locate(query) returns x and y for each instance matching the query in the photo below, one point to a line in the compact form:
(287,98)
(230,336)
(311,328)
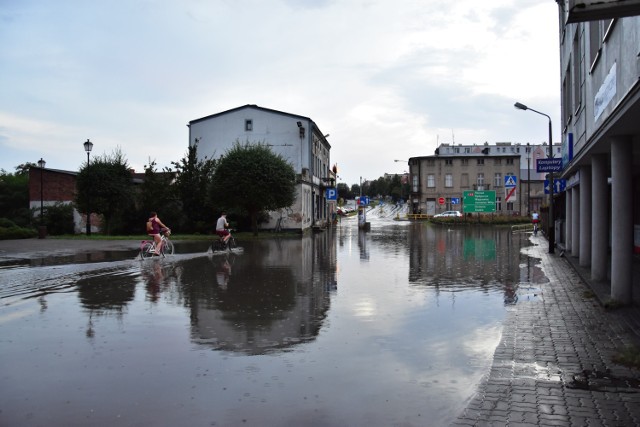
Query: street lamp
(88,146)
(41,165)
(528,178)
(550,230)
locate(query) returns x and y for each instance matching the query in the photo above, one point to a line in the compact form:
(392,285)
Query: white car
(445,214)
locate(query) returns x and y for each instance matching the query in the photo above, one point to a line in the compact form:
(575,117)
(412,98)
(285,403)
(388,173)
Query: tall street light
(41,165)
(88,146)
(550,229)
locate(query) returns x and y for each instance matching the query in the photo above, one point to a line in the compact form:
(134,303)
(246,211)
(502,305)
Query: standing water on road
(392,326)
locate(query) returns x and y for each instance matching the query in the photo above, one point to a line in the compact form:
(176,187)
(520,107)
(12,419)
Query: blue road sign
(510,181)
(332,194)
(455,200)
(559,185)
(549,165)
(363,200)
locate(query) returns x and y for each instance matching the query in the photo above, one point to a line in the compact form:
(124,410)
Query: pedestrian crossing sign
(510,181)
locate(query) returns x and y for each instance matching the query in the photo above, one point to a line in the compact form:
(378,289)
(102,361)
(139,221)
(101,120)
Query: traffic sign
(559,185)
(455,200)
(479,201)
(332,194)
(549,165)
(510,181)
(363,200)
(510,194)
(441,200)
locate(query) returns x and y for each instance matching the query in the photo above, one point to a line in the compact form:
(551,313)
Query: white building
(296,138)
(600,70)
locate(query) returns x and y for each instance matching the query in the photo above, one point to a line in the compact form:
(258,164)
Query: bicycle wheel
(167,247)
(147,250)
(231,243)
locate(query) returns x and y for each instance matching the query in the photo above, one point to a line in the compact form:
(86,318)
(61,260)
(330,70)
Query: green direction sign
(479,201)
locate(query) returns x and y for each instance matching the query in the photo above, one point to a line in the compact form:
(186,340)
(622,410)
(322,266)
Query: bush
(15,232)
(59,219)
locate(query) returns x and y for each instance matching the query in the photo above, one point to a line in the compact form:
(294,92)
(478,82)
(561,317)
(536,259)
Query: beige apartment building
(456,168)
(438,182)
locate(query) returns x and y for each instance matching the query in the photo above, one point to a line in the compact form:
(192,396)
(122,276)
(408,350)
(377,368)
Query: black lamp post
(41,165)
(88,146)
(550,230)
(528,178)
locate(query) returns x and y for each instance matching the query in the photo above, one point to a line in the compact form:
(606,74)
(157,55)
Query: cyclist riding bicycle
(154,229)
(535,219)
(221,228)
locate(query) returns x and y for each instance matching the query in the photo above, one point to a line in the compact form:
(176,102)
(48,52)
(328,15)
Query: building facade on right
(598,216)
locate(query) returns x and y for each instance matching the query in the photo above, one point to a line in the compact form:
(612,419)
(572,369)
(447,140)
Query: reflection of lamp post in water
(550,228)
(88,145)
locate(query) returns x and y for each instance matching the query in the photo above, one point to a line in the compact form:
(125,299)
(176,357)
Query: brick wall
(58,186)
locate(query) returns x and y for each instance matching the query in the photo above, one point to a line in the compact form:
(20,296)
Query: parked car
(445,214)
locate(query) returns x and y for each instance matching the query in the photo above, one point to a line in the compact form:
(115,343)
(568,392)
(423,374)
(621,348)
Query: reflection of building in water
(459,257)
(277,296)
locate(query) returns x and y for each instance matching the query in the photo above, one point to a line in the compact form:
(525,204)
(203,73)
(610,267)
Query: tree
(192,186)
(14,195)
(343,191)
(105,185)
(255,179)
(158,194)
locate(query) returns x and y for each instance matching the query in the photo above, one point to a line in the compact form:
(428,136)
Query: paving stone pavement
(554,364)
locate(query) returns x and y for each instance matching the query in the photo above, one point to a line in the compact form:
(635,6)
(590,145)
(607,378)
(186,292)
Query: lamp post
(41,165)
(550,230)
(528,179)
(88,146)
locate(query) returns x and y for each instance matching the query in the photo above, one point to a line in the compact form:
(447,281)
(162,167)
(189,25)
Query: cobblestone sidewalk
(554,365)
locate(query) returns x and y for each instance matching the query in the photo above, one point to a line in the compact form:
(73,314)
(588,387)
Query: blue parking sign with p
(332,194)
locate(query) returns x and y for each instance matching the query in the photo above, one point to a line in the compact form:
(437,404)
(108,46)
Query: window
(498,204)
(414,180)
(481,161)
(464,180)
(448,180)
(497,162)
(480,181)
(577,73)
(467,150)
(497,180)
(431,181)
(248,125)
(465,162)
(448,162)
(509,161)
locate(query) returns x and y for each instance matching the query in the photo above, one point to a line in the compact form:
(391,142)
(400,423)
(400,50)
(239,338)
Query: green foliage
(9,230)
(59,219)
(14,196)
(255,179)
(343,191)
(630,356)
(105,186)
(192,186)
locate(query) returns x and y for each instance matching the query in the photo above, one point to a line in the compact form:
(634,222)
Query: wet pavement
(554,365)
(408,324)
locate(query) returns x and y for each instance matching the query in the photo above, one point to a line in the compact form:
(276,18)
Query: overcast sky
(387,79)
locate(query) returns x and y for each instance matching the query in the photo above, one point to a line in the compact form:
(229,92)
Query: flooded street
(392,326)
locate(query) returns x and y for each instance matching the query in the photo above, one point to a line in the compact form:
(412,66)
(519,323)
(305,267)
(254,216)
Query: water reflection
(464,257)
(343,327)
(271,297)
